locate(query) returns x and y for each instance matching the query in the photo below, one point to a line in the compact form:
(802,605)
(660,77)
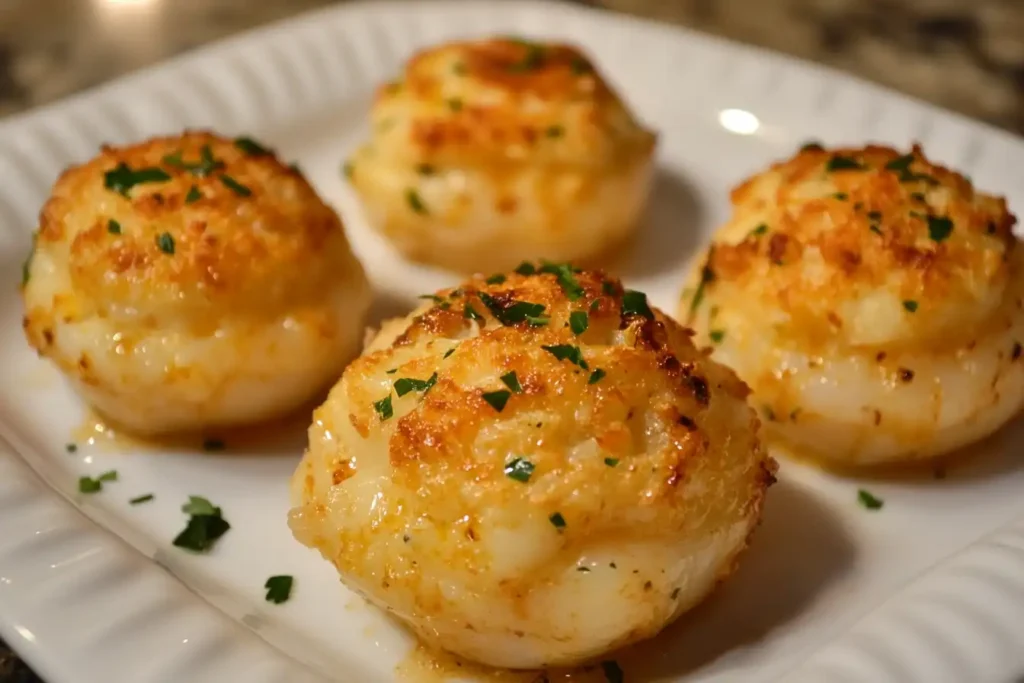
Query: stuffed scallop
(872,301)
(191,282)
(531,470)
(486,153)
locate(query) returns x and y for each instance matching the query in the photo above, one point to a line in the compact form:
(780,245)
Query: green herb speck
(279,588)
(235,186)
(867,500)
(557,520)
(596,376)
(412,197)
(578,322)
(383,407)
(165,242)
(519,469)
(512,382)
(497,399)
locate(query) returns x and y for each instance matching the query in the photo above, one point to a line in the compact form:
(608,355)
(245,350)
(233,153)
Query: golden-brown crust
(501,99)
(249,225)
(810,234)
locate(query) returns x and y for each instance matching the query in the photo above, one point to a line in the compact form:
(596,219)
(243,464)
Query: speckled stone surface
(966,55)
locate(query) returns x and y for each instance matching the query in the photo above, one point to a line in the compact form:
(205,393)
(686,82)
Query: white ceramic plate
(930,589)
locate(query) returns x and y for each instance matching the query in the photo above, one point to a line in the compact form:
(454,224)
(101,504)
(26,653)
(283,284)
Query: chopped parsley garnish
(526,268)
(406,384)
(910,305)
(497,399)
(71,447)
(459,69)
(470,313)
(113,227)
(537,320)
(717,336)
(279,588)
(612,671)
(512,313)
(194,195)
(415,202)
(251,147)
(212,444)
(455,104)
(635,303)
(533,58)
(900,164)
(165,242)
(578,322)
(26,266)
(758,231)
(557,520)
(869,501)
(554,131)
(511,381)
(611,462)
(235,186)
(875,215)
(206,165)
(595,304)
(841,163)
(496,279)
(567,352)
(519,469)
(383,407)
(139,500)
(110,475)
(596,376)
(608,288)
(566,279)
(841,196)
(89,485)
(812,146)
(425,169)
(122,178)
(706,276)
(939,227)
(205,525)
(448,353)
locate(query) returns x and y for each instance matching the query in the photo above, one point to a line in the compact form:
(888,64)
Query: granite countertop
(965,56)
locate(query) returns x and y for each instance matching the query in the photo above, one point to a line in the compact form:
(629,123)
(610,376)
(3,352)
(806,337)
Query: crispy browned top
(828,235)
(504,99)
(219,224)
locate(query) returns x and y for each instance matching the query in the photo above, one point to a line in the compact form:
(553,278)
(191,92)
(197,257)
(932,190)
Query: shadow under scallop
(670,231)
(798,552)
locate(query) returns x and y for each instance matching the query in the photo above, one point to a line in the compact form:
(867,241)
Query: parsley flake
(383,407)
(425,169)
(71,447)
(635,303)
(554,131)
(812,146)
(279,589)
(194,195)
(205,525)
(569,353)
(206,165)
(496,279)
(557,520)
(707,276)
(519,469)
(406,384)
(939,227)
(841,163)
(122,178)
(596,376)
(113,227)
(566,279)
(251,147)
(469,313)
(497,399)
(578,322)
(533,59)
(110,475)
(900,164)
(758,231)
(448,353)
(611,462)
(511,381)
(235,186)
(526,268)
(841,196)
(513,312)
(415,202)
(455,104)
(89,485)
(165,242)
(139,500)
(717,336)
(867,500)
(910,305)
